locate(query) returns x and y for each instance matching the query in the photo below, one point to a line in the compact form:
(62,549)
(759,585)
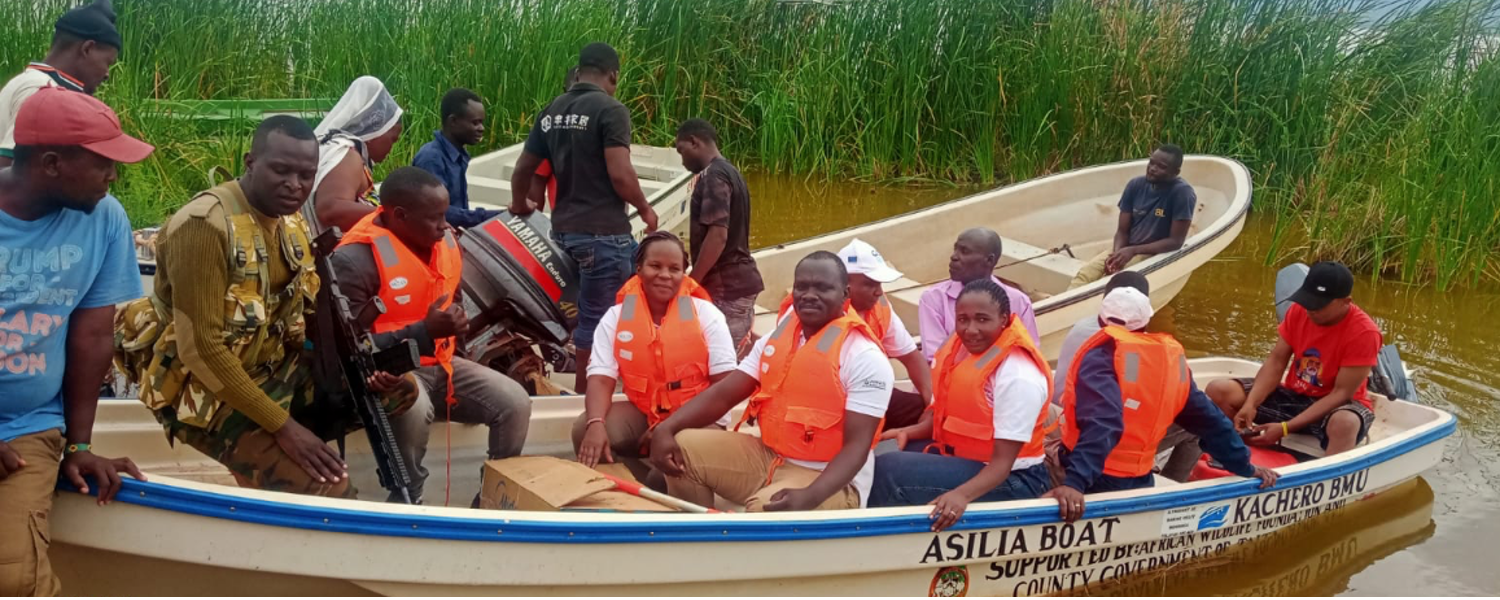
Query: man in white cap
(867,271)
(1125,390)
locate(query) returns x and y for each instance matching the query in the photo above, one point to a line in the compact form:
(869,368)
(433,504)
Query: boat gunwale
(611,528)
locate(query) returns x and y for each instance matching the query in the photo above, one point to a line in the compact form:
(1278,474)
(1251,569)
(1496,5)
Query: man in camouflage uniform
(228,372)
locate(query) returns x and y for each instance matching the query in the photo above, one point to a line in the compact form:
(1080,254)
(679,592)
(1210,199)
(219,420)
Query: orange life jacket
(408,287)
(647,353)
(801,400)
(1154,385)
(963,417)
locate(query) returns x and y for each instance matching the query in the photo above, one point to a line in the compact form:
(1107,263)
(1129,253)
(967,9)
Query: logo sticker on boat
(1213,517)
(949,582)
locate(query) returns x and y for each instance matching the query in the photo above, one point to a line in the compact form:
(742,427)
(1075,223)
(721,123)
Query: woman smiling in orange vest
(986,422)
(665,341)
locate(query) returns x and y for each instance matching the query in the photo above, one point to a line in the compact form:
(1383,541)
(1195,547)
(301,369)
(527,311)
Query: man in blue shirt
(66,259)
(445,156)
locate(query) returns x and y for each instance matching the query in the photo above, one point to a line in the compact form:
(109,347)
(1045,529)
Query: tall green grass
(1373,126)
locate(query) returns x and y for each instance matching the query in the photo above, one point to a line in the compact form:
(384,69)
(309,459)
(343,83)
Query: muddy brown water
(1433,537)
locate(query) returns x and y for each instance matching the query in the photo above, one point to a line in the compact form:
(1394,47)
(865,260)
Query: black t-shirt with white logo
(573,132)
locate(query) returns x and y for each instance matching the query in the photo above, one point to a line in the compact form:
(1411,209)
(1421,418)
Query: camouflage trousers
(252,454)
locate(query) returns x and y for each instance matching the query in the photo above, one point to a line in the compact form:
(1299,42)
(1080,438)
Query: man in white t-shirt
(85,44)
(814,457)
(868,271)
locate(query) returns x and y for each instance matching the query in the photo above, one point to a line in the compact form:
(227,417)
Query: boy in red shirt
(1330,346)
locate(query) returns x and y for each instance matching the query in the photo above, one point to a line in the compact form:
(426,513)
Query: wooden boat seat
(1043,271)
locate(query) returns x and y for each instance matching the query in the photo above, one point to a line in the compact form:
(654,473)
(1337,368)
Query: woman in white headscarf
(355,136)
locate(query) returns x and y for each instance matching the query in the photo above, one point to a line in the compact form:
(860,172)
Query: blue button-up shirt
(451,165)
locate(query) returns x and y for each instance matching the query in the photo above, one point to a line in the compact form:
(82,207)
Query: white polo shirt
(866,375)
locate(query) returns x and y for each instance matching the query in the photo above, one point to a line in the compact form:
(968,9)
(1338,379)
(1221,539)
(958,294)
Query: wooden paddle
(636,489)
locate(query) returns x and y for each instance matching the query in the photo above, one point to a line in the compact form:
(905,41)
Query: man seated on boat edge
(54,203)
(1183,445)
(820,387)
(663,323)
(405,254)
(975,255)
(984,438)
(1125,390)
(1156,213)
(219,347)
(1326,347)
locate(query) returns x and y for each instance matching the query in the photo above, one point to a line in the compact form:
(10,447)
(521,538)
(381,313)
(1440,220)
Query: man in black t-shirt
(585,134)
(720,228)
(1156,212)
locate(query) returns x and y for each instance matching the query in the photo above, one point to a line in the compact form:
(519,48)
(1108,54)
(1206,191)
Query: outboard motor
(1388,378)
(515,278)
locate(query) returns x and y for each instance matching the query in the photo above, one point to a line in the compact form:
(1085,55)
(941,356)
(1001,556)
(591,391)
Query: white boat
(1076,209)
(186,533)
(663,179)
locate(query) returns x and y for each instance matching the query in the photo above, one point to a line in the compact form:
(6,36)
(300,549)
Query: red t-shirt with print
(1319,352)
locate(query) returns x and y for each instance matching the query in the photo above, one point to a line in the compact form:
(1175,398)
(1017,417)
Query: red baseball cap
(58,117)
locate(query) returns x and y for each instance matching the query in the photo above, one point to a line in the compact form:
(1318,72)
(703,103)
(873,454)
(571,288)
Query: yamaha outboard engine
(515,278)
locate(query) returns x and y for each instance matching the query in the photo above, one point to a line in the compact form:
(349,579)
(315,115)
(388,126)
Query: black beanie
(91,22)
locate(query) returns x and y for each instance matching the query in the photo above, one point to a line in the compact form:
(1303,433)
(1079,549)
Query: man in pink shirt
(975,255)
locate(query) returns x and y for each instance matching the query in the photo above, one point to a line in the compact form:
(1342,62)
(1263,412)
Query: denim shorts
(604,265)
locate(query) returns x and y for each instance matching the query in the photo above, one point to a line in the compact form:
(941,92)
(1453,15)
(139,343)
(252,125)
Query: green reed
(1372,126)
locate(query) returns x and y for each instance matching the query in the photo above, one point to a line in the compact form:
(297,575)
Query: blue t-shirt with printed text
(50,267)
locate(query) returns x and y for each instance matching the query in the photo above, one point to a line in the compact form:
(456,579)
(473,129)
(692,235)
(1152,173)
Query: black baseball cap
(1326,281)
(95,21)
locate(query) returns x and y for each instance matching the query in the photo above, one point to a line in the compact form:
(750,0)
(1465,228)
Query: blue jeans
(913,478)
(604,265)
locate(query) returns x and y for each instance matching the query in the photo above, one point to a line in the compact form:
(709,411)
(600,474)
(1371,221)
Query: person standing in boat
(818,388)
(666,341)
(984,438)
(218,347)
(352,138)
(720,228)
(1156,211)
(65,249)
(585,133)
(975,254)
(447,158)
(405,254)
(85,44)
(1125,389)
(1326,348)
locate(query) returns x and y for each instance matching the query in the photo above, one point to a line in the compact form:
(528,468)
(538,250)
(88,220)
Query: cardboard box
(548,483)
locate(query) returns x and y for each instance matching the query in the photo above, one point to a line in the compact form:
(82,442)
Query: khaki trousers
(1093,270)
(742,470)
(25,508)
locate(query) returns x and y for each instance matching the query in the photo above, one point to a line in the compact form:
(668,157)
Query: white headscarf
(365,112)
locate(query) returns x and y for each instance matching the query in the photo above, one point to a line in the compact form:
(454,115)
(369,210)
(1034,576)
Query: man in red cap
(66,259)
